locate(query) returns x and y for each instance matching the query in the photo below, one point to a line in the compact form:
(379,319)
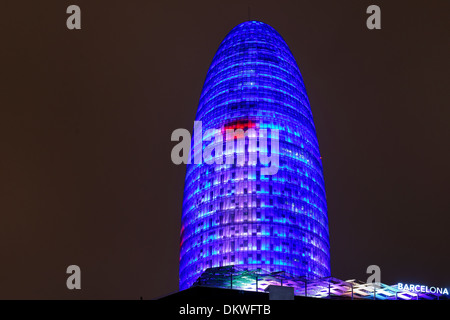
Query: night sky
(86,119)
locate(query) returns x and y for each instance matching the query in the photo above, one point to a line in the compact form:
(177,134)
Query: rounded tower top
(254,68)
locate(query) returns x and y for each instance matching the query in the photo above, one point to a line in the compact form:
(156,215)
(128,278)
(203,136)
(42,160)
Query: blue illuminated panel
(233,214)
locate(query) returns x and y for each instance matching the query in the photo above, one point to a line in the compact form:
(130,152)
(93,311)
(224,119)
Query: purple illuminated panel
(233,214)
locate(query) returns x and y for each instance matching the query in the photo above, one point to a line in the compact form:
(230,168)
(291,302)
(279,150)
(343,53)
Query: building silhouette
(236,214)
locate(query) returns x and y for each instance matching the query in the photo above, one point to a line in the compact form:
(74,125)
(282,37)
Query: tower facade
(234,214)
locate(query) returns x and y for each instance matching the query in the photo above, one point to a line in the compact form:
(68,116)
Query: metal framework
(239,278)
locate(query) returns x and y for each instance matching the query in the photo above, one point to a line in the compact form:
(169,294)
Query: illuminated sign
(421,289)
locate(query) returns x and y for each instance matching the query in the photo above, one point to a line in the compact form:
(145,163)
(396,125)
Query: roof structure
(235,277)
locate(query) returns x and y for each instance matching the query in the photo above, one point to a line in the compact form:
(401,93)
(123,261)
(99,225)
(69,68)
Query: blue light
(234,215)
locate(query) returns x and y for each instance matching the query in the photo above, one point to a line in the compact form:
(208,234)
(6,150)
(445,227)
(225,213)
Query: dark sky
(86,118)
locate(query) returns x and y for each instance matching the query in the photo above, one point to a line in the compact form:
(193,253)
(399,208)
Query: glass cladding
(232,213)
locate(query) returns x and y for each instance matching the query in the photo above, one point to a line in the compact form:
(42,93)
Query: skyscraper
(233,214)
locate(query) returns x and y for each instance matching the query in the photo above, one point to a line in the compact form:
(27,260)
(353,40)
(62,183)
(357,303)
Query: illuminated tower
(233,214)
